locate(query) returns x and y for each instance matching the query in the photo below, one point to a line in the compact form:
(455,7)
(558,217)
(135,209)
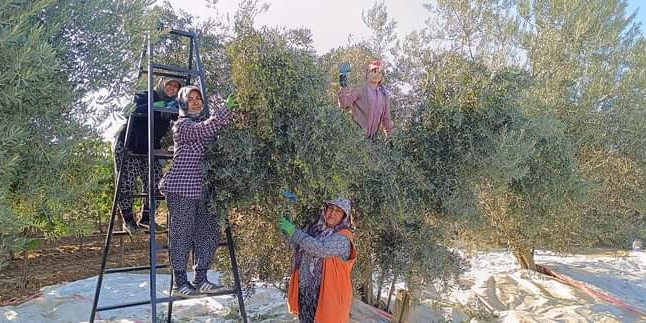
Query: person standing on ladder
(164,99)
(193,225)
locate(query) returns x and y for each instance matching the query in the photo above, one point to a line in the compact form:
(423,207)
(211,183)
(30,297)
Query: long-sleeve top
(186,175)
(369,107)
(335,245)
(138,140)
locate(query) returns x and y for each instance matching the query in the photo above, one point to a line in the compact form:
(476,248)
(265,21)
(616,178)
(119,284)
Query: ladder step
(160,154)
(173,68)
(144,232)
(164,300)
(145,114)
(223,244)
(188,34)
(143,195)
(162,73)
(129,269)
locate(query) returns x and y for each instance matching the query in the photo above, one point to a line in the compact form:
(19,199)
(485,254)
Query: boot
(144,222)
(129,223)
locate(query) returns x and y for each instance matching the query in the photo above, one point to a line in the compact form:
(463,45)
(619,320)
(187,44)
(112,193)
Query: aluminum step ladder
(188,73)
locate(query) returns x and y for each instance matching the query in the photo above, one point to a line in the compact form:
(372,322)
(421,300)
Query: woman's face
(333,215)
(375,75)
(171,89)
(194,102)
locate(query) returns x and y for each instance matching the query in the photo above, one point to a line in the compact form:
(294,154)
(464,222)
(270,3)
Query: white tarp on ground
(72,302)
(523,296)
(531,297)
(515,296)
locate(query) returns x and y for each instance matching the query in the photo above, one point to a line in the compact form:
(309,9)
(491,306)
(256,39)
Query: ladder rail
(236,277)
(198,65)
(190,59)
(108,236)
(169,313)
(141,61)
(151,184)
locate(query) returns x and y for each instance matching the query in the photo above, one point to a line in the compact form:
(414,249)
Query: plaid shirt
(186,176)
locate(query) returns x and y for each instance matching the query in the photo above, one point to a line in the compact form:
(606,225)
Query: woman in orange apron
(320,287)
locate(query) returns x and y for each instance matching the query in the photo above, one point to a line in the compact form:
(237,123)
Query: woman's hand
(344,69)
(286,226)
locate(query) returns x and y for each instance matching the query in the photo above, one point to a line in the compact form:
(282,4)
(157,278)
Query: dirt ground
(69,259)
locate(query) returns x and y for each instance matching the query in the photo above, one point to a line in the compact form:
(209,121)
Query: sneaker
(207,287)
(185,291)
(130,226)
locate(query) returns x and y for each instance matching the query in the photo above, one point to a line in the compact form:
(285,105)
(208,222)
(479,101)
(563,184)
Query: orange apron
(335,292)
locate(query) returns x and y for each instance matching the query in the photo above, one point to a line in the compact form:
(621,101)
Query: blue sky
(640,6)
(333,21)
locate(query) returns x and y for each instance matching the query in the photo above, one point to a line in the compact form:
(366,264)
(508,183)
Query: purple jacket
(369,107)
(186,175)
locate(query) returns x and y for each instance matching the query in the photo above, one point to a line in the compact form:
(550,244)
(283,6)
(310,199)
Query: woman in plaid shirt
(192,223)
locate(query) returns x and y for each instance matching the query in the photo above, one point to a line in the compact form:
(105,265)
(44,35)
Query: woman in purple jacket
(368,104)
(192,223)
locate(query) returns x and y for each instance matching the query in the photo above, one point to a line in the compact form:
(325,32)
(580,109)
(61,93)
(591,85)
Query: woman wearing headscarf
(164,98)
(368,104)
(320,287)
(193,225)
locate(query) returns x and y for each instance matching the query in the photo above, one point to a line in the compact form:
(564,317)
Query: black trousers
(192,226)
(133,168)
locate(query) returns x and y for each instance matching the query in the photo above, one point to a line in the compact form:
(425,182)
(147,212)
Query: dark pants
(192,226)
(306,307)
(133,168)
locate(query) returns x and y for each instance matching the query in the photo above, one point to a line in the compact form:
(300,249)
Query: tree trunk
(380,285)
(23,276)
(366,285)
(81,242)
(390,293)
(402,307)
(525,257)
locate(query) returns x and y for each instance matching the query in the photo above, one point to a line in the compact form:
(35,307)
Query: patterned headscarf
(320,231)
(182,99)
(163,81)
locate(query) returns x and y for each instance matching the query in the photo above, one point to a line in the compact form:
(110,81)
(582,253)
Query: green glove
(231,101)
(286,226)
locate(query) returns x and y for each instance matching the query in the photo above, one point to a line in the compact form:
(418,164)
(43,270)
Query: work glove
(159,104)
(286,226)
(344,69)
(231,101)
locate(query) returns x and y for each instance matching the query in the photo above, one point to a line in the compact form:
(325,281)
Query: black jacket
(138,142)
